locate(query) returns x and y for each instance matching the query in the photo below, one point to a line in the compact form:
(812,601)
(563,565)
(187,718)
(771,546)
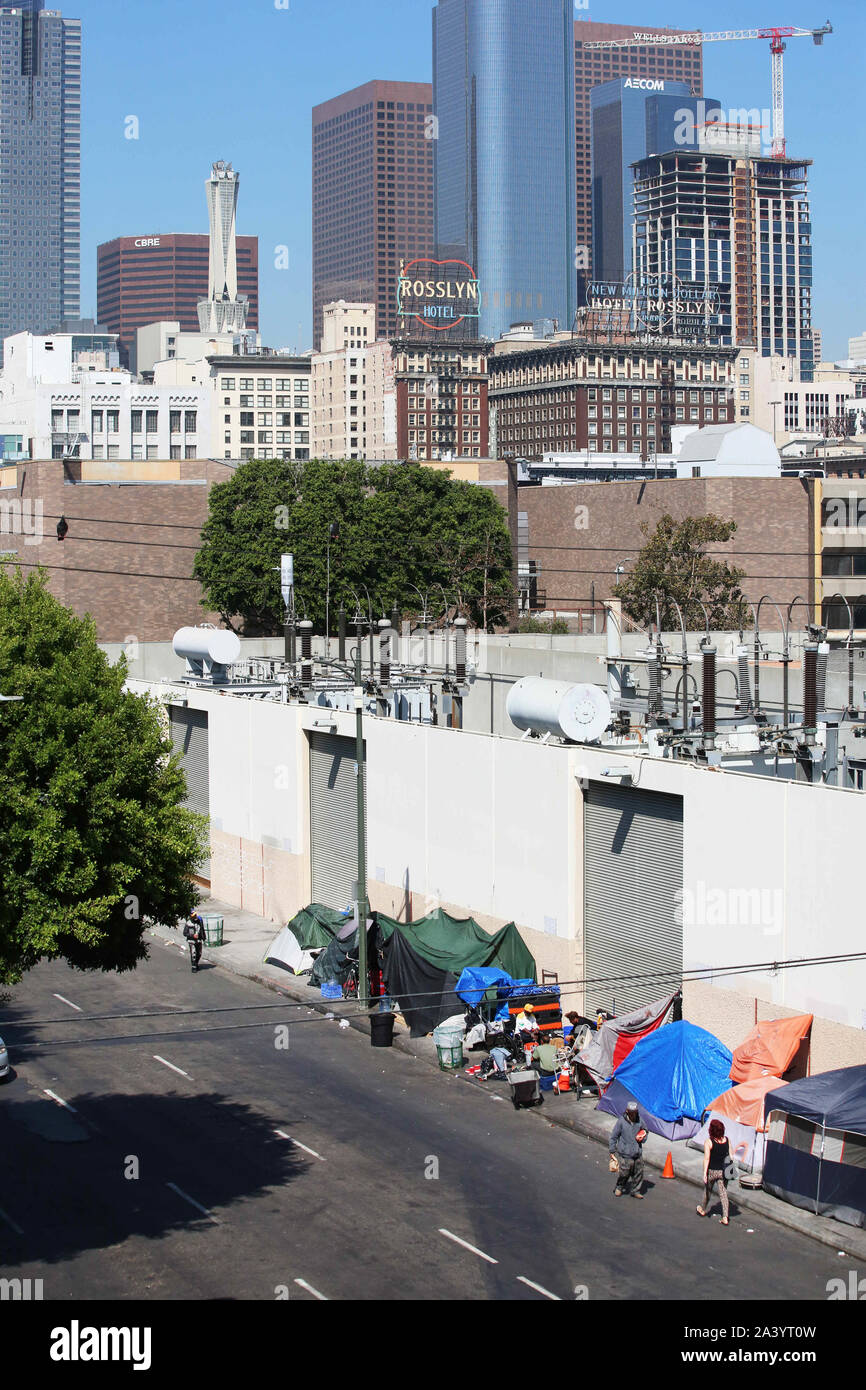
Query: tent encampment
(673,1074)
(423,961)
(816,1144)
(614,1040)
(770,1048)
(741,1111)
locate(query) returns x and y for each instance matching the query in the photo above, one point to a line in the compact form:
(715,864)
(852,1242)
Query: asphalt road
(201,1158)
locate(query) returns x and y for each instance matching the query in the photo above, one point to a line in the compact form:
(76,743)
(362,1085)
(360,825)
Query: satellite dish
(579,713)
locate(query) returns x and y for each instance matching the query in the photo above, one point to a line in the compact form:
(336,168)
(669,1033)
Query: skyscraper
(40,168)
(503,97)
(142,279)
(224,310)
(372,195)
(734,229)
(593,66)
(632,117)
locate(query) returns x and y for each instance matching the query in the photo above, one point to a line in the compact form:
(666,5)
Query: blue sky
(212,80)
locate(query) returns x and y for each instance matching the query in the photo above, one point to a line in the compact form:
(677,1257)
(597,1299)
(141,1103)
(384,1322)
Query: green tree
(93,833)
(674,564)
(400,525)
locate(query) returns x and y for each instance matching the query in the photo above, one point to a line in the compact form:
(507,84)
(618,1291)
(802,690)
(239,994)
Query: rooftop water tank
(213,645)
(579,713)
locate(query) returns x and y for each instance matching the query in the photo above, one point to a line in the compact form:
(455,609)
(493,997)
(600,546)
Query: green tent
(315,926)
(453,943)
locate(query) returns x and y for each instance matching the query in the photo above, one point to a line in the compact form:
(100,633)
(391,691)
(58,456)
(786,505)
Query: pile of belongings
(673,1073)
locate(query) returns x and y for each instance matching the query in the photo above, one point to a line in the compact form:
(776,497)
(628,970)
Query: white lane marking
(298,1145)
(172,1066)
(70,1108)
(9,1222)
(193,1203)
(323,1298)
(69,1002)
(467,1246)
(521,1279)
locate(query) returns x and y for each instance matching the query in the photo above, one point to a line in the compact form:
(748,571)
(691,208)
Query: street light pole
(362,835)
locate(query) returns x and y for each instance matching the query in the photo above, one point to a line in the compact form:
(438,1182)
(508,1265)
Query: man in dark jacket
(626,1147)
(196,936)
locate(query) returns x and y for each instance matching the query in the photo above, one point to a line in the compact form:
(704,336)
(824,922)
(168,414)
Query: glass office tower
(504,156)
(40,168)
(633,118)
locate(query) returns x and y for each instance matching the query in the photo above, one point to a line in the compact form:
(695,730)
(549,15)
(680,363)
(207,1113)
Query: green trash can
(213,927)
(449,1047)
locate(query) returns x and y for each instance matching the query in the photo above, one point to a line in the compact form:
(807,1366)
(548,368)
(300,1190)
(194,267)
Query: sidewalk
(246,938)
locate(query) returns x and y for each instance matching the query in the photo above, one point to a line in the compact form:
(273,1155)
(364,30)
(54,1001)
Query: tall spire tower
(224,310)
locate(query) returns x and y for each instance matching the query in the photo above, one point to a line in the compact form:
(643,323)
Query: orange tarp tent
(770,1048)
(745,1103)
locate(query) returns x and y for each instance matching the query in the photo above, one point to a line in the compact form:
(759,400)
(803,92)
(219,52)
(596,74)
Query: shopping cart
(524,1087)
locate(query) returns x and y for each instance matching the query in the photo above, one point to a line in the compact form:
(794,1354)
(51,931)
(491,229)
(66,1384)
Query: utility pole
(362,834)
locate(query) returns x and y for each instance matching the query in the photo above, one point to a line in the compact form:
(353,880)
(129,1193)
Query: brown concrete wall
(128,556)
(731,1015)
(587,529)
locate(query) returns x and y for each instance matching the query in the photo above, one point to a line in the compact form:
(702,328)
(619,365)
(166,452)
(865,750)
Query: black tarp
(426,994)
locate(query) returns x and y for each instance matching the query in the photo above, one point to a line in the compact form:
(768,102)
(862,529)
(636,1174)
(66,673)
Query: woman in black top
(717,1156)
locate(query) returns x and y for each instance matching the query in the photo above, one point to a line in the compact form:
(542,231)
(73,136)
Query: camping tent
(615,1039)
(310,931)
(770,1048)
(816,1144)
(673,1074)
(423,961)
(741,1111)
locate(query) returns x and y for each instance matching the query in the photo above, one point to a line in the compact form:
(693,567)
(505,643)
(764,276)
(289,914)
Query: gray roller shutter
(333,819)
(633,878)
(190,738)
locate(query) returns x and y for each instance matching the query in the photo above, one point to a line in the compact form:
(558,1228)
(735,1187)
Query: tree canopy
(94,836)
(401,527)
(674,565)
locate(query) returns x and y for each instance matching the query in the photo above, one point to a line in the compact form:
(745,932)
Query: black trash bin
(382,1030)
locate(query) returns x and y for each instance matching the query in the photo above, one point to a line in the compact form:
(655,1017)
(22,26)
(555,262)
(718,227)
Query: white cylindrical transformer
(207,644)
(580,713)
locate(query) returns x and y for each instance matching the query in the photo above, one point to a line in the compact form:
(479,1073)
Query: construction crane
(776,35)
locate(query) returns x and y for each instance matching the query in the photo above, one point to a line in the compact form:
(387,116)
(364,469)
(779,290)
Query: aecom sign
(439,294)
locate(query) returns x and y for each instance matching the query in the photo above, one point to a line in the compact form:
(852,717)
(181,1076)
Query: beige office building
(353,396)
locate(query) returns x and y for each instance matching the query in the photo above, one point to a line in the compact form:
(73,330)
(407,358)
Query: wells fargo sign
(440,294)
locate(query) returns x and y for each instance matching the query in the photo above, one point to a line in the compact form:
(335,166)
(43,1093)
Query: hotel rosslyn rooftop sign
(440,294)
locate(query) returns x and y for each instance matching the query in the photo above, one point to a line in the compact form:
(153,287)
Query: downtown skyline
(301,61)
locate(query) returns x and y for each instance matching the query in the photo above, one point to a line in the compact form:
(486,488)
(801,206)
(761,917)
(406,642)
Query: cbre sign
(439,294)
(147,241)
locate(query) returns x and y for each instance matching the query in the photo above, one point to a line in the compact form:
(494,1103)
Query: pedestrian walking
(717,1161)
(195,933)
(626,1141)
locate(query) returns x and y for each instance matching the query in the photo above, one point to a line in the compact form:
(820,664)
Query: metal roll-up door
(633,878)
(189,735)
(333,820)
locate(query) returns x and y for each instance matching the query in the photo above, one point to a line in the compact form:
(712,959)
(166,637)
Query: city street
(199,1158)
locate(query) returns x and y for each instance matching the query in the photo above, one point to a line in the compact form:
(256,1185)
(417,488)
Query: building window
(227,383)
(96,422)
(112,420)
(136,451)
(247,417)
(174,451)
(114,451)
(247,383)
(135,421)
(248,437)
(265,437)
(265,419)
(247,400)
(98,451)
(151,424)
(189,451)
(153,451)
(189,419)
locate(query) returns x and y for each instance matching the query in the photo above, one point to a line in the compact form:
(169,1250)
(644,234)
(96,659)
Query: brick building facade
(578,533)
(134,530)
(566,394)
(442,405)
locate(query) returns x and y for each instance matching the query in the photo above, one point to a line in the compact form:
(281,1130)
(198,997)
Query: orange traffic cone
(668,1170)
